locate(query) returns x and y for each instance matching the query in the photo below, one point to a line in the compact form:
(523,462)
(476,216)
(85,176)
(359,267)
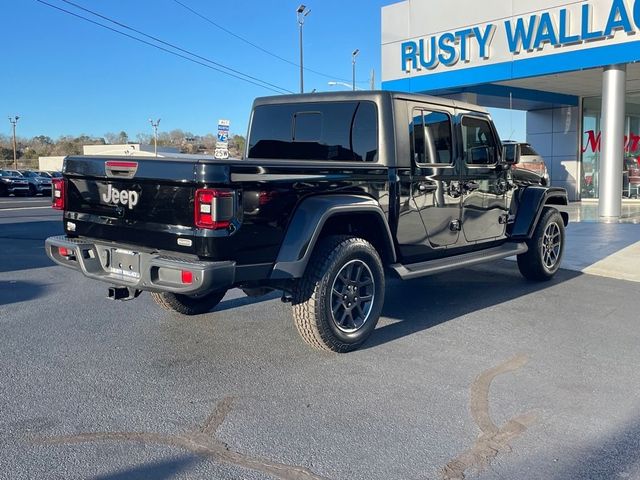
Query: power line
(278,91)
(249,42)
(174,46)
(171,45)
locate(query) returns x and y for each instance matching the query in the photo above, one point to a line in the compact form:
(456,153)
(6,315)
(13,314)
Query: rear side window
(526,149)
(480,145)
(431,137)
(340,131)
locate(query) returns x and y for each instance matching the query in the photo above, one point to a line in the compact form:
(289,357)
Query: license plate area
(125,263)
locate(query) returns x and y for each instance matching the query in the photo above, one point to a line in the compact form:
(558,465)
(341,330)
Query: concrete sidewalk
(605,249)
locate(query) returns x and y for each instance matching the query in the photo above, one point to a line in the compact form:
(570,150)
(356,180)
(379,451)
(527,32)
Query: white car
(532,161)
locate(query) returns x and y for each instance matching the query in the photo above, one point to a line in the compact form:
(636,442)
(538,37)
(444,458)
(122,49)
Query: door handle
(426,187)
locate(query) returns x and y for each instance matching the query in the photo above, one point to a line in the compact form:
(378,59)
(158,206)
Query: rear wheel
(187,304)
(336,305)
(546,247)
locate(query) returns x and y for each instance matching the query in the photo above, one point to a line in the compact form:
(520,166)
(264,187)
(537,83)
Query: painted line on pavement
(23,208)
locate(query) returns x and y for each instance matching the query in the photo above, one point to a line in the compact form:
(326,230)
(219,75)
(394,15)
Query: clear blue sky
(65,76)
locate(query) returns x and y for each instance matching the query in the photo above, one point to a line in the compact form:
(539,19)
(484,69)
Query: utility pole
(354,54)
(14,121)
(155,135)
(302,12)
(372,80)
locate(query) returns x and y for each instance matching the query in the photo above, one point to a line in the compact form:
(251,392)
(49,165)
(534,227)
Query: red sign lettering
(593,142)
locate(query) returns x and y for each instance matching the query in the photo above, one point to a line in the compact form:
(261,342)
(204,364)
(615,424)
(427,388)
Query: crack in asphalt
(492,439)
(201,441)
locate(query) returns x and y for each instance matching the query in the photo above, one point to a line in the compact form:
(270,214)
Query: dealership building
(573,66)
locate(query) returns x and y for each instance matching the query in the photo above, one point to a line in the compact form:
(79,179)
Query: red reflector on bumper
(187,277)
(65,252)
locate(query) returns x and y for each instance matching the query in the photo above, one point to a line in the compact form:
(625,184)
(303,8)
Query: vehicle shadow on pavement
(22,244)
(14,291)
(612,456)
(426,302)
(244,300)
(156,470)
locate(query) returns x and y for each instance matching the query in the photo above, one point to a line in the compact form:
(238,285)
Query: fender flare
(306,225)
(531,203)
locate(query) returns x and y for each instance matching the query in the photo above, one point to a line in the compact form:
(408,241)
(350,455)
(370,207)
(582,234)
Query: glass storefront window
(591,145)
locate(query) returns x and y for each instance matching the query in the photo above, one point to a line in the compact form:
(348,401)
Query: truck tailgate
(146,202)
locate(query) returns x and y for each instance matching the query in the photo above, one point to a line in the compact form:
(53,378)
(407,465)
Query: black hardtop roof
(373,95)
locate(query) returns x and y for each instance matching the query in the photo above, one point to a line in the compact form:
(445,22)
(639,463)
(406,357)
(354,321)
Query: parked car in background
(37,183)
(13,184)
(532,161)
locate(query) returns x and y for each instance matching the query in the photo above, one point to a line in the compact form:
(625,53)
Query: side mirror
(510,153)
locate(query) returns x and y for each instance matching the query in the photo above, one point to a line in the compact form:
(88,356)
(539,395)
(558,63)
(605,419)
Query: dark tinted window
(526,149)
(478,141)
(346,131)
(431,137)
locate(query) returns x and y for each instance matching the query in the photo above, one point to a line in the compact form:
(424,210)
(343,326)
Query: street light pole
(155,135)
(14,121)
(302,12)
(354,54)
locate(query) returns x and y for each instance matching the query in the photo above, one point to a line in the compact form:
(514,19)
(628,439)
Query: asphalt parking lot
(470,374)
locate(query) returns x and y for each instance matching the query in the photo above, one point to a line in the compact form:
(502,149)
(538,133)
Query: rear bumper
(155,272)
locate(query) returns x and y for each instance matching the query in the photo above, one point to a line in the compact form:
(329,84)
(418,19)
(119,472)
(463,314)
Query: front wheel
(546,247)
(187,304)
(336,305)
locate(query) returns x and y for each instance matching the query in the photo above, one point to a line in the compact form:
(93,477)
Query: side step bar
(432,267)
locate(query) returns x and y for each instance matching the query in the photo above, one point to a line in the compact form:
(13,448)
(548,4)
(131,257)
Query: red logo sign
(631,142)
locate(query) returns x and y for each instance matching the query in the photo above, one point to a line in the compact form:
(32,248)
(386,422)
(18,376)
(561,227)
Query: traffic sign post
(222,144)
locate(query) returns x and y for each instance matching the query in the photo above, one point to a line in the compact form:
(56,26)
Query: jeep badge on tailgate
(123,197)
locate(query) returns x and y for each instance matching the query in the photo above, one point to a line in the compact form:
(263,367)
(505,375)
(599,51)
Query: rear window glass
(526,149)
(340,131)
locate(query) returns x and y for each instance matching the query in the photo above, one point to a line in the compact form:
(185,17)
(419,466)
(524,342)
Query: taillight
(65,252)
(214,209)
(57,193)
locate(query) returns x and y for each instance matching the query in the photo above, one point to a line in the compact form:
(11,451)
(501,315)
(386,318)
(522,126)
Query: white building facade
(572,65)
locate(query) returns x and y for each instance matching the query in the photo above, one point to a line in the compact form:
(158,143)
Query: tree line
(44,146)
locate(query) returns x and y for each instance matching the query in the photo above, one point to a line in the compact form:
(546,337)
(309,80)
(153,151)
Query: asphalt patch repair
(202,441)
(492,440)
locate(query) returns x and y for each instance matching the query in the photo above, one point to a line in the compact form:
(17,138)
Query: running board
(432,267)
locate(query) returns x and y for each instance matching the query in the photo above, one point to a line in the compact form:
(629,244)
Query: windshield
(29,174)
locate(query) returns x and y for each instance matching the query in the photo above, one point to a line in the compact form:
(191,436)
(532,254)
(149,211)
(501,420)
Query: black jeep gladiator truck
(336,191)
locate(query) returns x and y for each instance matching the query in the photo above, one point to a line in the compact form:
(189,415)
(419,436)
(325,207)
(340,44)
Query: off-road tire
(312,296)
(532,264)
(188,305)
